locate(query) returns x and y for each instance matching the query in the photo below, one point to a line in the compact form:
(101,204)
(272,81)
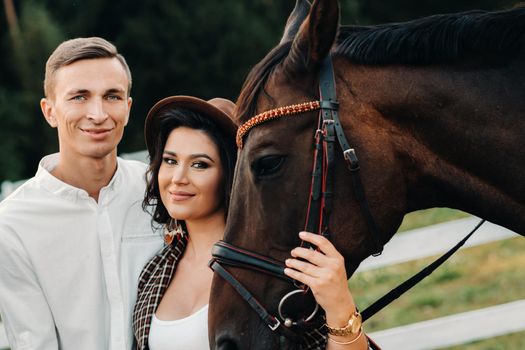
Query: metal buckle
(276,325)
(351,159)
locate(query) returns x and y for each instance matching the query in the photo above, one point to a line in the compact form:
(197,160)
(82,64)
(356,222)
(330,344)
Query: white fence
(456,329)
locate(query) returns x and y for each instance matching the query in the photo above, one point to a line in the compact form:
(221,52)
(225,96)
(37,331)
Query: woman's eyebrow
(201,155)
(192,156)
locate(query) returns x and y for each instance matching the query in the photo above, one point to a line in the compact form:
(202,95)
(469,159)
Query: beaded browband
(274,114)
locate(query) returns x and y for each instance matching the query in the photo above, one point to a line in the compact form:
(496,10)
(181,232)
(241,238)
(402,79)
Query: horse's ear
(315,37)
(299,13)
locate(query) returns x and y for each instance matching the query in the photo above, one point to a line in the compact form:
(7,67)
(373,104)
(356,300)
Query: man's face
(90,107)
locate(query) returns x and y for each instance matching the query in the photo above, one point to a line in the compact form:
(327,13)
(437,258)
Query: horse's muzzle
(226,344)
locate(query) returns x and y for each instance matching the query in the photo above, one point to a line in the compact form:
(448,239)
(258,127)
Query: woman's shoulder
(163,264)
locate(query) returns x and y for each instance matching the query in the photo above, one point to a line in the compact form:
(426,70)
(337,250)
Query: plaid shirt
(153,282)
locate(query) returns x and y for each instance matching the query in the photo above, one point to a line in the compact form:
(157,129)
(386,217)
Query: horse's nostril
(226,344)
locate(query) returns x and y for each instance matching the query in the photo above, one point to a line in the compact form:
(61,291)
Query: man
(74,238)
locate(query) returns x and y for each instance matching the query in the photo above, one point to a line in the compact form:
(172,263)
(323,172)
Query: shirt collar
(58,187)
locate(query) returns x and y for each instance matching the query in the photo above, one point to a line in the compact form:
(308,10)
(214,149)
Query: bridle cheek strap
(330,116)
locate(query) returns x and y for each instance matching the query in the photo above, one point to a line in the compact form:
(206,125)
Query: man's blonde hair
(78,49)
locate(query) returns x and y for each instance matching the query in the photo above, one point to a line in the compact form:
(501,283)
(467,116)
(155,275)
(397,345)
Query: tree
(25,135)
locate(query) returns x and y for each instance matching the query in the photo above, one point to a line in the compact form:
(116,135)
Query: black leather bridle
(319,208)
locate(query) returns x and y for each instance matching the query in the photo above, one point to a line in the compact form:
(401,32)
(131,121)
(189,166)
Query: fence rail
(455,329)
(414,244)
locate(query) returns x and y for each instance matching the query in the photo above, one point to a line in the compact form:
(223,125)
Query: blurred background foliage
(203,48)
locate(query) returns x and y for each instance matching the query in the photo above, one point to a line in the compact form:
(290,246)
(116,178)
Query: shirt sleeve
(25,312)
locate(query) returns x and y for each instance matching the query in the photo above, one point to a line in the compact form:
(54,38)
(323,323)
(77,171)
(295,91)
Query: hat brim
(151,126)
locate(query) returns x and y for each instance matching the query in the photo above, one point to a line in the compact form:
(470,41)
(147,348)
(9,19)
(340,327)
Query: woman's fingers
(310,255)
(326,257)
(315,263)
(322,270)
(301,277)
(305,267)
(320,242)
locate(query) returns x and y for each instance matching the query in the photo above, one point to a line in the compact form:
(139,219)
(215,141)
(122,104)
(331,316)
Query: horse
(434,110)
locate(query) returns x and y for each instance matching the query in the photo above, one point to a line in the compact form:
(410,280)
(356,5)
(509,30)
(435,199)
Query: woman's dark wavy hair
(169,120)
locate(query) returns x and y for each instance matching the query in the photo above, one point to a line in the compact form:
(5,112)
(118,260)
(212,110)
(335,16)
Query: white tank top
(189,333)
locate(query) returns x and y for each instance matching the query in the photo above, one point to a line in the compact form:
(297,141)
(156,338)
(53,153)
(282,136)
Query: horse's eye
(267,165)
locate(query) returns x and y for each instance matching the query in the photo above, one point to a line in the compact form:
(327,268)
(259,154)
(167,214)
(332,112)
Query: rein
(317,220)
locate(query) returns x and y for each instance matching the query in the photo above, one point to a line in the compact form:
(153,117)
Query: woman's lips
(179,196)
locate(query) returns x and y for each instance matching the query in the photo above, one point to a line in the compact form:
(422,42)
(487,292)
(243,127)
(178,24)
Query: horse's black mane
(434,39)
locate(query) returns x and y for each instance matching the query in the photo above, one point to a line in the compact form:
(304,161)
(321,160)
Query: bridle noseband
(319,207)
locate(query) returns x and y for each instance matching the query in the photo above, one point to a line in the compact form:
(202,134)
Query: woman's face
(191,175)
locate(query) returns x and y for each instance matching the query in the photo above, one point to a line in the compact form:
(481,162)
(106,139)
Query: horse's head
(273,177)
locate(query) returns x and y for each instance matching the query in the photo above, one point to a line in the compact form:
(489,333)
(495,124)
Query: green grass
(505,342)
(473,278)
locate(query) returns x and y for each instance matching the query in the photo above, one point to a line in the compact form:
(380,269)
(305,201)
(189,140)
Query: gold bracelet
(347,342)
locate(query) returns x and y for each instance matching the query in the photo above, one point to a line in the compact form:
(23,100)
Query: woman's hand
(324,272)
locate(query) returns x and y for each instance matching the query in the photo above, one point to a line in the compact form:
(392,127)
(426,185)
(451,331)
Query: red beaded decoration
(274,114)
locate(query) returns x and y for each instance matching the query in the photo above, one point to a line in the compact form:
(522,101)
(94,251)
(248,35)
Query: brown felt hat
(218,109)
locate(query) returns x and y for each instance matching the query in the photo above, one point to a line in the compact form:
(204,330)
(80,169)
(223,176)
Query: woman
(192,151)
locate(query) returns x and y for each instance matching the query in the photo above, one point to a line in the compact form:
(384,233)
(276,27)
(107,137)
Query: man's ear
(130,102)
(48,110)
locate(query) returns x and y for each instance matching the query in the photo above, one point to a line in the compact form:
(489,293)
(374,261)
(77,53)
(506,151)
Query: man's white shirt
(69,266)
